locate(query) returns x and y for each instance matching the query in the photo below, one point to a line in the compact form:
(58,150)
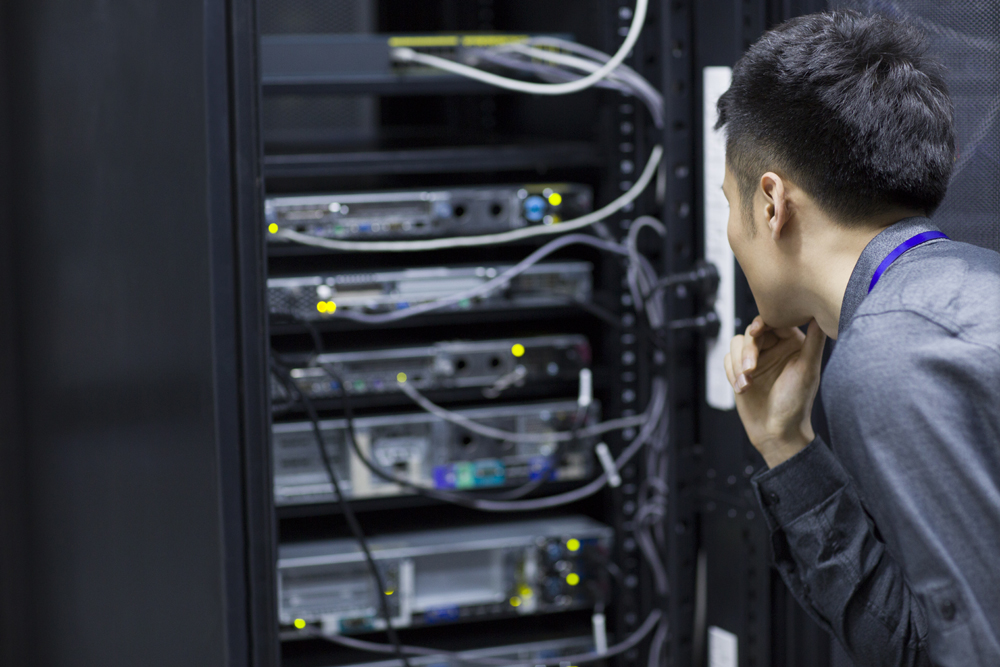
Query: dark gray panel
(12,552)
(125,314)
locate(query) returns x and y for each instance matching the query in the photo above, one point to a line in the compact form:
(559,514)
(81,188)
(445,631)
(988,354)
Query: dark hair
(848,106)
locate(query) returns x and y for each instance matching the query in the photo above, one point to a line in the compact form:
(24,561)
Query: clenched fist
(775,374)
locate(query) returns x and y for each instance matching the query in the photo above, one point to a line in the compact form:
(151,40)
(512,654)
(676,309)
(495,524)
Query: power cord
(352,520)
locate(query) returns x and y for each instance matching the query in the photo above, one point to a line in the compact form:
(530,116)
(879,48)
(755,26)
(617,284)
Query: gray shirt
(890,538)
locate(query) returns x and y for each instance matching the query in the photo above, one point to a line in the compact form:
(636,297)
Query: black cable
(352,519)
(535,484)
(444,496)
(654,619)
(437,494)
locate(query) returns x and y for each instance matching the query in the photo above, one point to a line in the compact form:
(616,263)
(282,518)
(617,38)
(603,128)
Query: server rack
(443,131)
(226,149)
(717,548)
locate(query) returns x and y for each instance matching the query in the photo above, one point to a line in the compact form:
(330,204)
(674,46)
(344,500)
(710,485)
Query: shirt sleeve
(829,556)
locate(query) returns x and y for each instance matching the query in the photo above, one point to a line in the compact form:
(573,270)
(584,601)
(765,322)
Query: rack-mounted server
(431,213)
(442,576)
(490,366)
(430,451)
(319,297)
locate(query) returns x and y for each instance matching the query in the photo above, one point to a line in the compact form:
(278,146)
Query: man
(839,143)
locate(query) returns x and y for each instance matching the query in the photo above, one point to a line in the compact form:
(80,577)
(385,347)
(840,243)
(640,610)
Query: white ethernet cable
(642,282)
(642,278)
(488,239)
(498,282)
(524,56)
(652,417)
(498,434)
(654,620)
(623,74)
(638,19)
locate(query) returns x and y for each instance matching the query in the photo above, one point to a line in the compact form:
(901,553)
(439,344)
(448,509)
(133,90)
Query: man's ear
(775,203)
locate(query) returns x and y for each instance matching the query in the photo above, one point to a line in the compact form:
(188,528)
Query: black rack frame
(100,507)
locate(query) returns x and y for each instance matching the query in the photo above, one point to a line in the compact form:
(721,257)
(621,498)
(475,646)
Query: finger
(751,352)
(729,370)
(757,327)
(812,348)
(766,341)
(735,357)
(785,333)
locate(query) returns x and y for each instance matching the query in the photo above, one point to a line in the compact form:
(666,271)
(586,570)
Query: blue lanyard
(911,242)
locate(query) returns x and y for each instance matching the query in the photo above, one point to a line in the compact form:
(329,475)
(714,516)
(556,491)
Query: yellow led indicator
(273,228)
(572,578)
(331,307)
(573,544)
(517,350)
(401,377)
(515,601)
(300,623)
(555,199)
(389,592)
(321,306)
(525,592)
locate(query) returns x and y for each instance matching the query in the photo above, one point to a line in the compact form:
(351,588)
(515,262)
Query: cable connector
(709,323)
(608,463)
(600,633)
(705,277)
(586,396)
(515,377)
(403,54)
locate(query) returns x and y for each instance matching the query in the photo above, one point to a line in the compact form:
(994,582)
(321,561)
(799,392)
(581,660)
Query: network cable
(446,496)
(635,29)
(498,282)
(655,411)
(588,60)
(648,172)
(510,436)
(647,293)
(352,519)
(566,67)
(654,620)
(618,81)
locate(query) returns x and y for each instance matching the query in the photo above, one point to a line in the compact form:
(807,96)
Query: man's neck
(833,255)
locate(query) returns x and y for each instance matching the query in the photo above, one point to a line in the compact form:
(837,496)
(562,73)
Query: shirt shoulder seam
(942,322)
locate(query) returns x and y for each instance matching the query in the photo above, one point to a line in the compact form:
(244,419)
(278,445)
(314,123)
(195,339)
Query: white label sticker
(723,648)
(718,391)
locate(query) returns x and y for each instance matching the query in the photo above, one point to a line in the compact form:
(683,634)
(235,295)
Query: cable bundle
(565,67)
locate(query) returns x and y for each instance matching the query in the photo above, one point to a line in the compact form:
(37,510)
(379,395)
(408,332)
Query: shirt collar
(873,254)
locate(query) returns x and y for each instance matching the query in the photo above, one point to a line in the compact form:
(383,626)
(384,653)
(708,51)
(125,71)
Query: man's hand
(775,374)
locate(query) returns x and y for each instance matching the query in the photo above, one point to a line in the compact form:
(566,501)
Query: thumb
(812,347)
